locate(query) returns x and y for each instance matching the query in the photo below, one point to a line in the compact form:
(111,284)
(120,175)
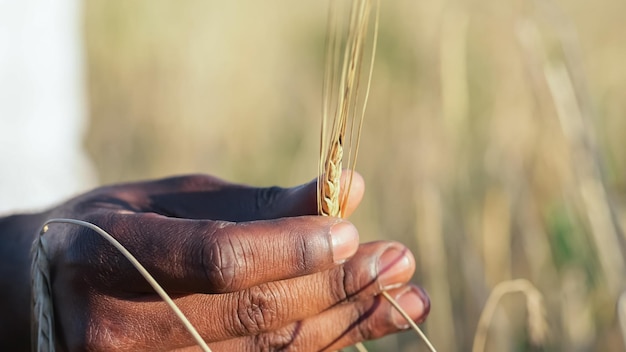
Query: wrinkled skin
(252,268)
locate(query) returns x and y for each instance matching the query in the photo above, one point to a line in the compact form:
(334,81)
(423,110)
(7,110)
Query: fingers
(268,307)
(341,326)
(190,256)
(377,266)
(206,197)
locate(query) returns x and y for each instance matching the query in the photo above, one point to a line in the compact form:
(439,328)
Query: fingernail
(415,303)
(345,239)
(394,268)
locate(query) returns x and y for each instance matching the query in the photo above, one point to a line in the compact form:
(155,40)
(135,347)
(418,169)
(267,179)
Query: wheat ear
(347,119)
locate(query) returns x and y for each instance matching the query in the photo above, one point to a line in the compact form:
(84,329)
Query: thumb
(302,200)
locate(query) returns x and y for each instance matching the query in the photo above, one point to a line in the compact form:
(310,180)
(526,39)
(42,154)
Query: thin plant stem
(410,321)
(155,285)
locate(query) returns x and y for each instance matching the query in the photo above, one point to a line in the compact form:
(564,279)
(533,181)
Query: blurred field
(493,144)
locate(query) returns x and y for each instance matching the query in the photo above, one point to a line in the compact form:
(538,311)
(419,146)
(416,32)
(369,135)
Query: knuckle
(354,280)
(343,283)
(364,326)
(309,251)
(281,340)
(220,260)
(362,331)
(257,310)
(267,197)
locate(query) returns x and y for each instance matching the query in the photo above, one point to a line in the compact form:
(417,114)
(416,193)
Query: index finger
(202,256)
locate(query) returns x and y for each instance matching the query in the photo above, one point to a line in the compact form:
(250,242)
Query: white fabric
(42,104)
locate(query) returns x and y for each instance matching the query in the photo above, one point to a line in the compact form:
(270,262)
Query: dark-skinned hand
(252,268)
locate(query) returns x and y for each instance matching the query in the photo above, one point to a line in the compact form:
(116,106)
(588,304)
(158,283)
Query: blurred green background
(491,145)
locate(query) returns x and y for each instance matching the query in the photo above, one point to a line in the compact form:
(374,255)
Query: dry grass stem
(360,347)
(590,184)
(453,68)
(432,257)
(574,120)
(410,321)
(537,325)
(43,328)
(621,315)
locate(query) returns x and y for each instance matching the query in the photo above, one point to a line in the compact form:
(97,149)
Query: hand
(250,267)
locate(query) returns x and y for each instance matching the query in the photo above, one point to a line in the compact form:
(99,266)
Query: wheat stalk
(346,107)
(537,326)
(347,110)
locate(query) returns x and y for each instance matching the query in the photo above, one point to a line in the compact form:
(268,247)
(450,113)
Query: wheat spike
(331,206)
(342,102)
(347,111)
